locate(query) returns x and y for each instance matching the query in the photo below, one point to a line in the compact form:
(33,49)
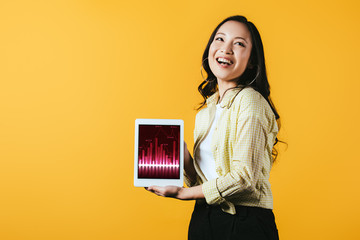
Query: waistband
(240,209)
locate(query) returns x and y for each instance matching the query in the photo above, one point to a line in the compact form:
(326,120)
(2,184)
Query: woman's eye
(219,39)
(240,43)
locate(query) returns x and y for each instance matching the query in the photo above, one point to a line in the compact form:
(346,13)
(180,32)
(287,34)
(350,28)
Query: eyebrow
(235,37)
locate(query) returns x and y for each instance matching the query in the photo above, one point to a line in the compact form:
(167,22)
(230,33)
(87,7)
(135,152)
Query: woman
(234,138)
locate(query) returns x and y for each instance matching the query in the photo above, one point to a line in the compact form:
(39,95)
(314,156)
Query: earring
(257,74)
(201,72)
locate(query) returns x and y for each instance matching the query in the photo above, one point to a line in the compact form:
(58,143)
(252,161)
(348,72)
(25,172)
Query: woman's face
(230,50)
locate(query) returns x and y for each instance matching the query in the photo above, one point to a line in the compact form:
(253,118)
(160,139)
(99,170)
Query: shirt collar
(227,99)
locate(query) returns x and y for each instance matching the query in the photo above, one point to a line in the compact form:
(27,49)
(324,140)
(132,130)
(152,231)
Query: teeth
(223,60)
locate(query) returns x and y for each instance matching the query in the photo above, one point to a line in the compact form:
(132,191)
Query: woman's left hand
(182,193)
(167,191)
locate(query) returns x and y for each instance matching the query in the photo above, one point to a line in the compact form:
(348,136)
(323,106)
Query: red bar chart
(159,151)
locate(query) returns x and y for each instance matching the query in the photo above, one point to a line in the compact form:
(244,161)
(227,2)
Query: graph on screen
(159,151)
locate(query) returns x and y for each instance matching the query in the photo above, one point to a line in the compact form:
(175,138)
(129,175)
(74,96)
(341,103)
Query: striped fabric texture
(242,145)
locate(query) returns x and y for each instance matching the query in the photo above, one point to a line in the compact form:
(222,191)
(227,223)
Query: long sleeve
(249,153)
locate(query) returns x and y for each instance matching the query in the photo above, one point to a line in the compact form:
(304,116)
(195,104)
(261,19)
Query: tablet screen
(158,151)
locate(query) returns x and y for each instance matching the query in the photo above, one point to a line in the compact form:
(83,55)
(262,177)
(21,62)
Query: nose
(227,49)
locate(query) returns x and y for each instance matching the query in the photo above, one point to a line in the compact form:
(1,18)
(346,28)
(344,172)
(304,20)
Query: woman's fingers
(159,190)
(168,191)
(155,189)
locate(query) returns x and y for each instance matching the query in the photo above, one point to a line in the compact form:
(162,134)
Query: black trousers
(249,223)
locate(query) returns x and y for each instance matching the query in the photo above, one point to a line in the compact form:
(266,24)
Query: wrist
(191,193)
(182,193)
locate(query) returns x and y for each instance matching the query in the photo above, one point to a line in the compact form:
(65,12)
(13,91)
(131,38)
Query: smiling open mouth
(224,61)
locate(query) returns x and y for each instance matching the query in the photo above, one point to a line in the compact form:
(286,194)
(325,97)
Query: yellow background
(74,76)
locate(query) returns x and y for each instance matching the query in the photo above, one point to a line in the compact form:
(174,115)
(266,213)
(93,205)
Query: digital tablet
(159,152)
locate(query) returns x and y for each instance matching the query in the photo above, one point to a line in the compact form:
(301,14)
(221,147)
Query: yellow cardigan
(242,148)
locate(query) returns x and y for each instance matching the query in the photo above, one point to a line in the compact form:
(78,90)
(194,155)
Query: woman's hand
(178,192)
(167,191)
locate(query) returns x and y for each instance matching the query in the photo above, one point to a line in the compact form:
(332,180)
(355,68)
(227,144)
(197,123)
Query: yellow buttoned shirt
(242,146)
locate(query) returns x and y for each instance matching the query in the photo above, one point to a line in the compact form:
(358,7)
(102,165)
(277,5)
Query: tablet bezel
(141,182)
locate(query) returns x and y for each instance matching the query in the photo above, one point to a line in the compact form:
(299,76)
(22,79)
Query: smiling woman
(234,138)
(229,53)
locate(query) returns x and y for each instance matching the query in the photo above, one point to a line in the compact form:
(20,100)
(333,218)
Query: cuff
(211,192)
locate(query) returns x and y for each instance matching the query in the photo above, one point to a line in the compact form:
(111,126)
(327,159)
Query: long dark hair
(254,76)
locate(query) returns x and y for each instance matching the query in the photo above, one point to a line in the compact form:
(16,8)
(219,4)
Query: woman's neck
(223,86)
